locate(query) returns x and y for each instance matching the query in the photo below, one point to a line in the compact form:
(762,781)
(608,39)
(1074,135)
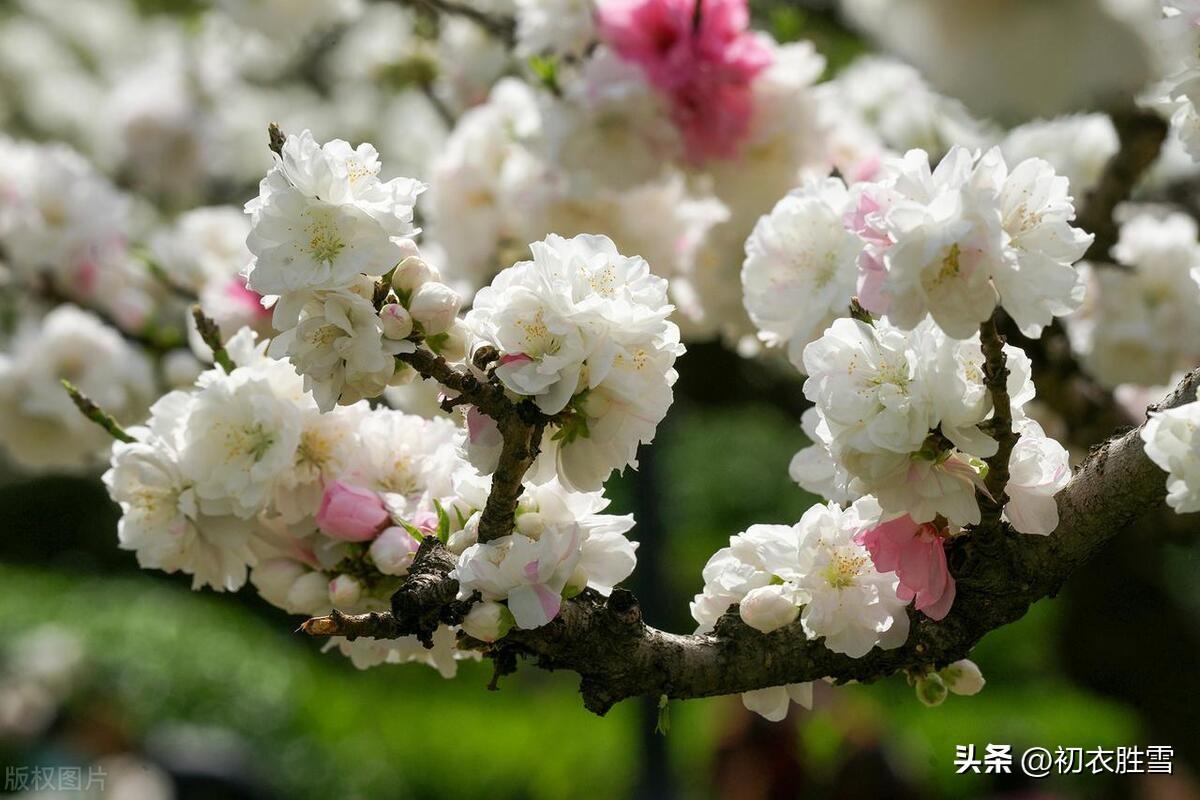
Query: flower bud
(351,513)
(309,594)
(396,321)
(768,608)
(393,551)
(453,345)
(487,621)
(434,305)
(963,677)
(469,535)
(531,524)
(411,273)
(274,578)
(408,248)
(344,591)
(931,689)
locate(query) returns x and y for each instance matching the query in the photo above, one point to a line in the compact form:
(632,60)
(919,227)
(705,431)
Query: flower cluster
(242,477)
(701,56)
(1140,323)
(583,331)
(903,416)
(816,571)
(1171,443)
(39,425)
(324,230)
(951,243)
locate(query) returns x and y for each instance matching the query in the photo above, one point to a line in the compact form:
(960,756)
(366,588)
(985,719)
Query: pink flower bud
(344,591)
(396,321)
(411,273)
(393,551)
(351,513)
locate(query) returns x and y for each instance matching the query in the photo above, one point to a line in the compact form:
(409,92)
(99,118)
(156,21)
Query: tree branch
(1141,135)
(998,578)
(995,377)
(502,27)
(521,426)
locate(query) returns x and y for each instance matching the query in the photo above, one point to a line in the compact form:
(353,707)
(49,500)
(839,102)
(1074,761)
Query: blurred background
(175,693)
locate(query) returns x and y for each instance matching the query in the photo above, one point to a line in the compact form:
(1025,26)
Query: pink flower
(246,299)
(701,55)
(917,554)
(351,513)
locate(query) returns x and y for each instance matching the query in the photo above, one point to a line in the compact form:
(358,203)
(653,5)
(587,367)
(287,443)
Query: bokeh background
(189,694)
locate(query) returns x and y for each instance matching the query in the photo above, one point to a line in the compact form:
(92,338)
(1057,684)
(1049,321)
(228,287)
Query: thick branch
(1141,135)
(998,578)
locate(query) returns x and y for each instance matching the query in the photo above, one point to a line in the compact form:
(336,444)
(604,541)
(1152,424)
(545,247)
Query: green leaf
(443,528)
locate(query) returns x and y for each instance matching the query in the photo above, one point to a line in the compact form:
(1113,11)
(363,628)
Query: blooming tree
(659,173)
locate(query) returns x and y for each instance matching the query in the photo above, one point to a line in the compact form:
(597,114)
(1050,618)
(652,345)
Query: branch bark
(521,427)
(1141,135)
(617,656)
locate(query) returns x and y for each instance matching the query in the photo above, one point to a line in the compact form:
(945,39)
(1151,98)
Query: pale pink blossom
(917,554)
(351,513)
(701,55)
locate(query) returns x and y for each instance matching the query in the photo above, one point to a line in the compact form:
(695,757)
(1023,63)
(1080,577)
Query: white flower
(1078,147)
(203,245)
(238,437)
(954,241)
(554,27)
(160,519)
(892,104)
(58,214)
(39,425)
(1142,324)
(322,217)
(772,703)
(850,604)
(1036,281)
(801,266)
(530,575)
(585,325)
(1038,469)
(1172,444)
(337,345)
(868,387)
(760,557)
(814,467)
(609,130)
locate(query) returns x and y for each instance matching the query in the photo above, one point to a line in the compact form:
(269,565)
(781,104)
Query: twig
(521,427)
(502,27)
(211,334)
(96,414)
(995,377)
